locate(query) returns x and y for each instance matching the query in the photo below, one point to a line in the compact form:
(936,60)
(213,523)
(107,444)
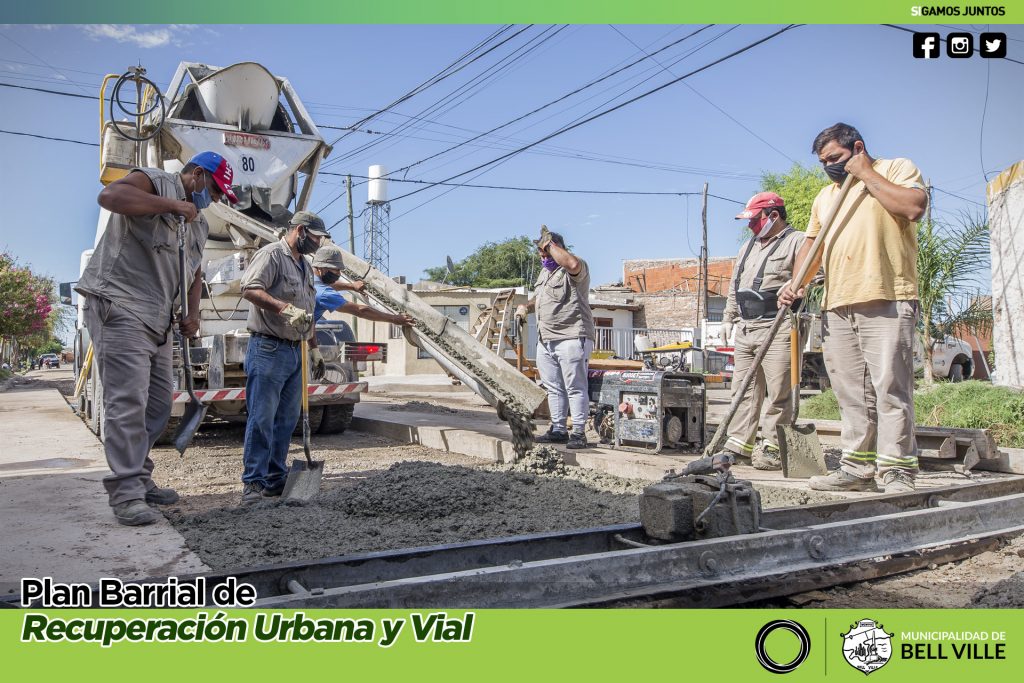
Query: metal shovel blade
(800,450)
(195,411)
(303,482)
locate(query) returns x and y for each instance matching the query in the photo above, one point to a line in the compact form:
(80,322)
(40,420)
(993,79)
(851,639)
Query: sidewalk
(56,521)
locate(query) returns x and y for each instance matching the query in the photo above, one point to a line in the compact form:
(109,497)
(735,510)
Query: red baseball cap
(219,169)
(761,200)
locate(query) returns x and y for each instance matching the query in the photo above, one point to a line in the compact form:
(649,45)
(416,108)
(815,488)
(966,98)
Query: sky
(959,120)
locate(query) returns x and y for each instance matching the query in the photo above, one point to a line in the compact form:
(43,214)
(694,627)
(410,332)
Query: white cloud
(123,33)
(44,27)
(594,215)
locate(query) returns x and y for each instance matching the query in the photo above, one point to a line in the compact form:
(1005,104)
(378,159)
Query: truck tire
(166,438)
(316,414)
(337,418)
(956,373)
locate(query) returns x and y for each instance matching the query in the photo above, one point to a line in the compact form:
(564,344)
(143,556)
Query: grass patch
(972,405)
(5,374)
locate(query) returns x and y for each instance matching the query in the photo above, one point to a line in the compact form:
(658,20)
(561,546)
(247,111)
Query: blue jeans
(273,388)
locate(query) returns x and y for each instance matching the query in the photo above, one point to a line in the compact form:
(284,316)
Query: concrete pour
(415,503)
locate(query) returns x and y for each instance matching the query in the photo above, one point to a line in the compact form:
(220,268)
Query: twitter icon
(992,45)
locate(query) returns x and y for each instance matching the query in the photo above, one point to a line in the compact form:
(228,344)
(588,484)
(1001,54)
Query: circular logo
(771,627)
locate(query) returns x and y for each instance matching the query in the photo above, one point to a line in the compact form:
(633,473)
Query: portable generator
(649,410)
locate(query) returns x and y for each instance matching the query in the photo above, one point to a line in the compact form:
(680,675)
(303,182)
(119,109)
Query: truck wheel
(337,418)
(316,414)
(956,373)
(167,437)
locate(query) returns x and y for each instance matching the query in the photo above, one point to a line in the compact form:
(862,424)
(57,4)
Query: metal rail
(800,548)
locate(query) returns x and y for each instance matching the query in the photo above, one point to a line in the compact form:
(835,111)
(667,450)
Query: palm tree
(950,258)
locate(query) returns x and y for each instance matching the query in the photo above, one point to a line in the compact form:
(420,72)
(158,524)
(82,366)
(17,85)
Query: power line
(447,72)
(47,137)
(701,95)
(970,201)
(551,103)
(452,99)
(605,112)
(51,92)
(550,189)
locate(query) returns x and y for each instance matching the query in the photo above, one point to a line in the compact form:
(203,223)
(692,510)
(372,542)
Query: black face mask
(305,244)
(837,171)
(329,278)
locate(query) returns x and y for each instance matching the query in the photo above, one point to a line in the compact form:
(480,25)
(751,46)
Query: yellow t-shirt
(869,253)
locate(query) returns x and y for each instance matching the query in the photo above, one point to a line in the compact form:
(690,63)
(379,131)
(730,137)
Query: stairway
(494,325)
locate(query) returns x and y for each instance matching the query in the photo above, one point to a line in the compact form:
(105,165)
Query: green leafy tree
(798,187)
(950,258)
(510,263)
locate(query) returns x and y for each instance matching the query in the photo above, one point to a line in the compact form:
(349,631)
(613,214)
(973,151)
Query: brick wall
(680,275)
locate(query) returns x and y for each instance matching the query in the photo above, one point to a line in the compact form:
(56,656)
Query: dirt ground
(380,494)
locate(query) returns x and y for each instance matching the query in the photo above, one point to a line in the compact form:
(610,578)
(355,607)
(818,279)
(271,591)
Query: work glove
(727,326)
(297,318)
(545,238)
(522,312)
(317,364)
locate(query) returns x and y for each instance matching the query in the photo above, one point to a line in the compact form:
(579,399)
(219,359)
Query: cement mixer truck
(258,123)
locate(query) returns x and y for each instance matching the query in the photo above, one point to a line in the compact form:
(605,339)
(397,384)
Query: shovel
(304,477)
(799,446)
(195,410)
(801,278)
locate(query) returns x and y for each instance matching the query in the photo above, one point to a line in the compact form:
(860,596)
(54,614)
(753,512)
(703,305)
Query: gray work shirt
(135,264)
(274,270)
(563,305)
(777,272)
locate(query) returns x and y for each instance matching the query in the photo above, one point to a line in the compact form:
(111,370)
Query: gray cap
(328,256)
(313,223)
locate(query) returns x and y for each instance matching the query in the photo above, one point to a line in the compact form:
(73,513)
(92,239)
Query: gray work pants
(563,372)
(869,355)
(134,364)
(772,377)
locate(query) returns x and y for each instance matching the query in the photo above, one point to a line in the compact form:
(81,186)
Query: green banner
(520,11)
(731,645)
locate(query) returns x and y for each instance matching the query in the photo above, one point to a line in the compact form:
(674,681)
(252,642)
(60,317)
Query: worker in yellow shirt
(870,309)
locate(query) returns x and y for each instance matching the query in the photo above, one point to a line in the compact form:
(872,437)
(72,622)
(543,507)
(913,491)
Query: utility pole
(928,209)
(352,243)
(704,253)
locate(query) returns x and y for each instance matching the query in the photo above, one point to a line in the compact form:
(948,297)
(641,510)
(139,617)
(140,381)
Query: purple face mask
(549,263)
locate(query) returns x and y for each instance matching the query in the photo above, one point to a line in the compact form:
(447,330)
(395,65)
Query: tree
(26,303)
(950,258)
(511,263)
(798,187)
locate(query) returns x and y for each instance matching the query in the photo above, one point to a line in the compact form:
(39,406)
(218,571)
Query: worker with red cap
(764,265)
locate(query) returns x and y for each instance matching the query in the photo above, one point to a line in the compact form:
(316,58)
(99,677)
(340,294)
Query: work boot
(273,491)
(135,513)
(898,481)
(252,492)
(767,458)
(551,436)
(159,496)
(841,480)
(577,440)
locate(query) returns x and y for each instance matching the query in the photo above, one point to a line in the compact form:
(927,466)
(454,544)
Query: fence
(621,339)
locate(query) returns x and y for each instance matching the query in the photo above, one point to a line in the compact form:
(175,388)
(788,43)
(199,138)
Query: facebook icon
(926,45)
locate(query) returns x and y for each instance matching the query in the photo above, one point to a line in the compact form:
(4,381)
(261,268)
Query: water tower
(377,229)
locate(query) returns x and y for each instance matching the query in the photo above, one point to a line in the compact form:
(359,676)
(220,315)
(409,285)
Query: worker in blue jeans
(279,284)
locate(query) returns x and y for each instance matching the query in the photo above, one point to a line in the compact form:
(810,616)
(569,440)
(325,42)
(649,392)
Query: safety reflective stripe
(214,395)
(898,460)
(861,456)
(739,444)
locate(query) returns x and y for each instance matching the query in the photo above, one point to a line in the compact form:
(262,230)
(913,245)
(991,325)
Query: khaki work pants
(772,377)
(869,356)
(135,366)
